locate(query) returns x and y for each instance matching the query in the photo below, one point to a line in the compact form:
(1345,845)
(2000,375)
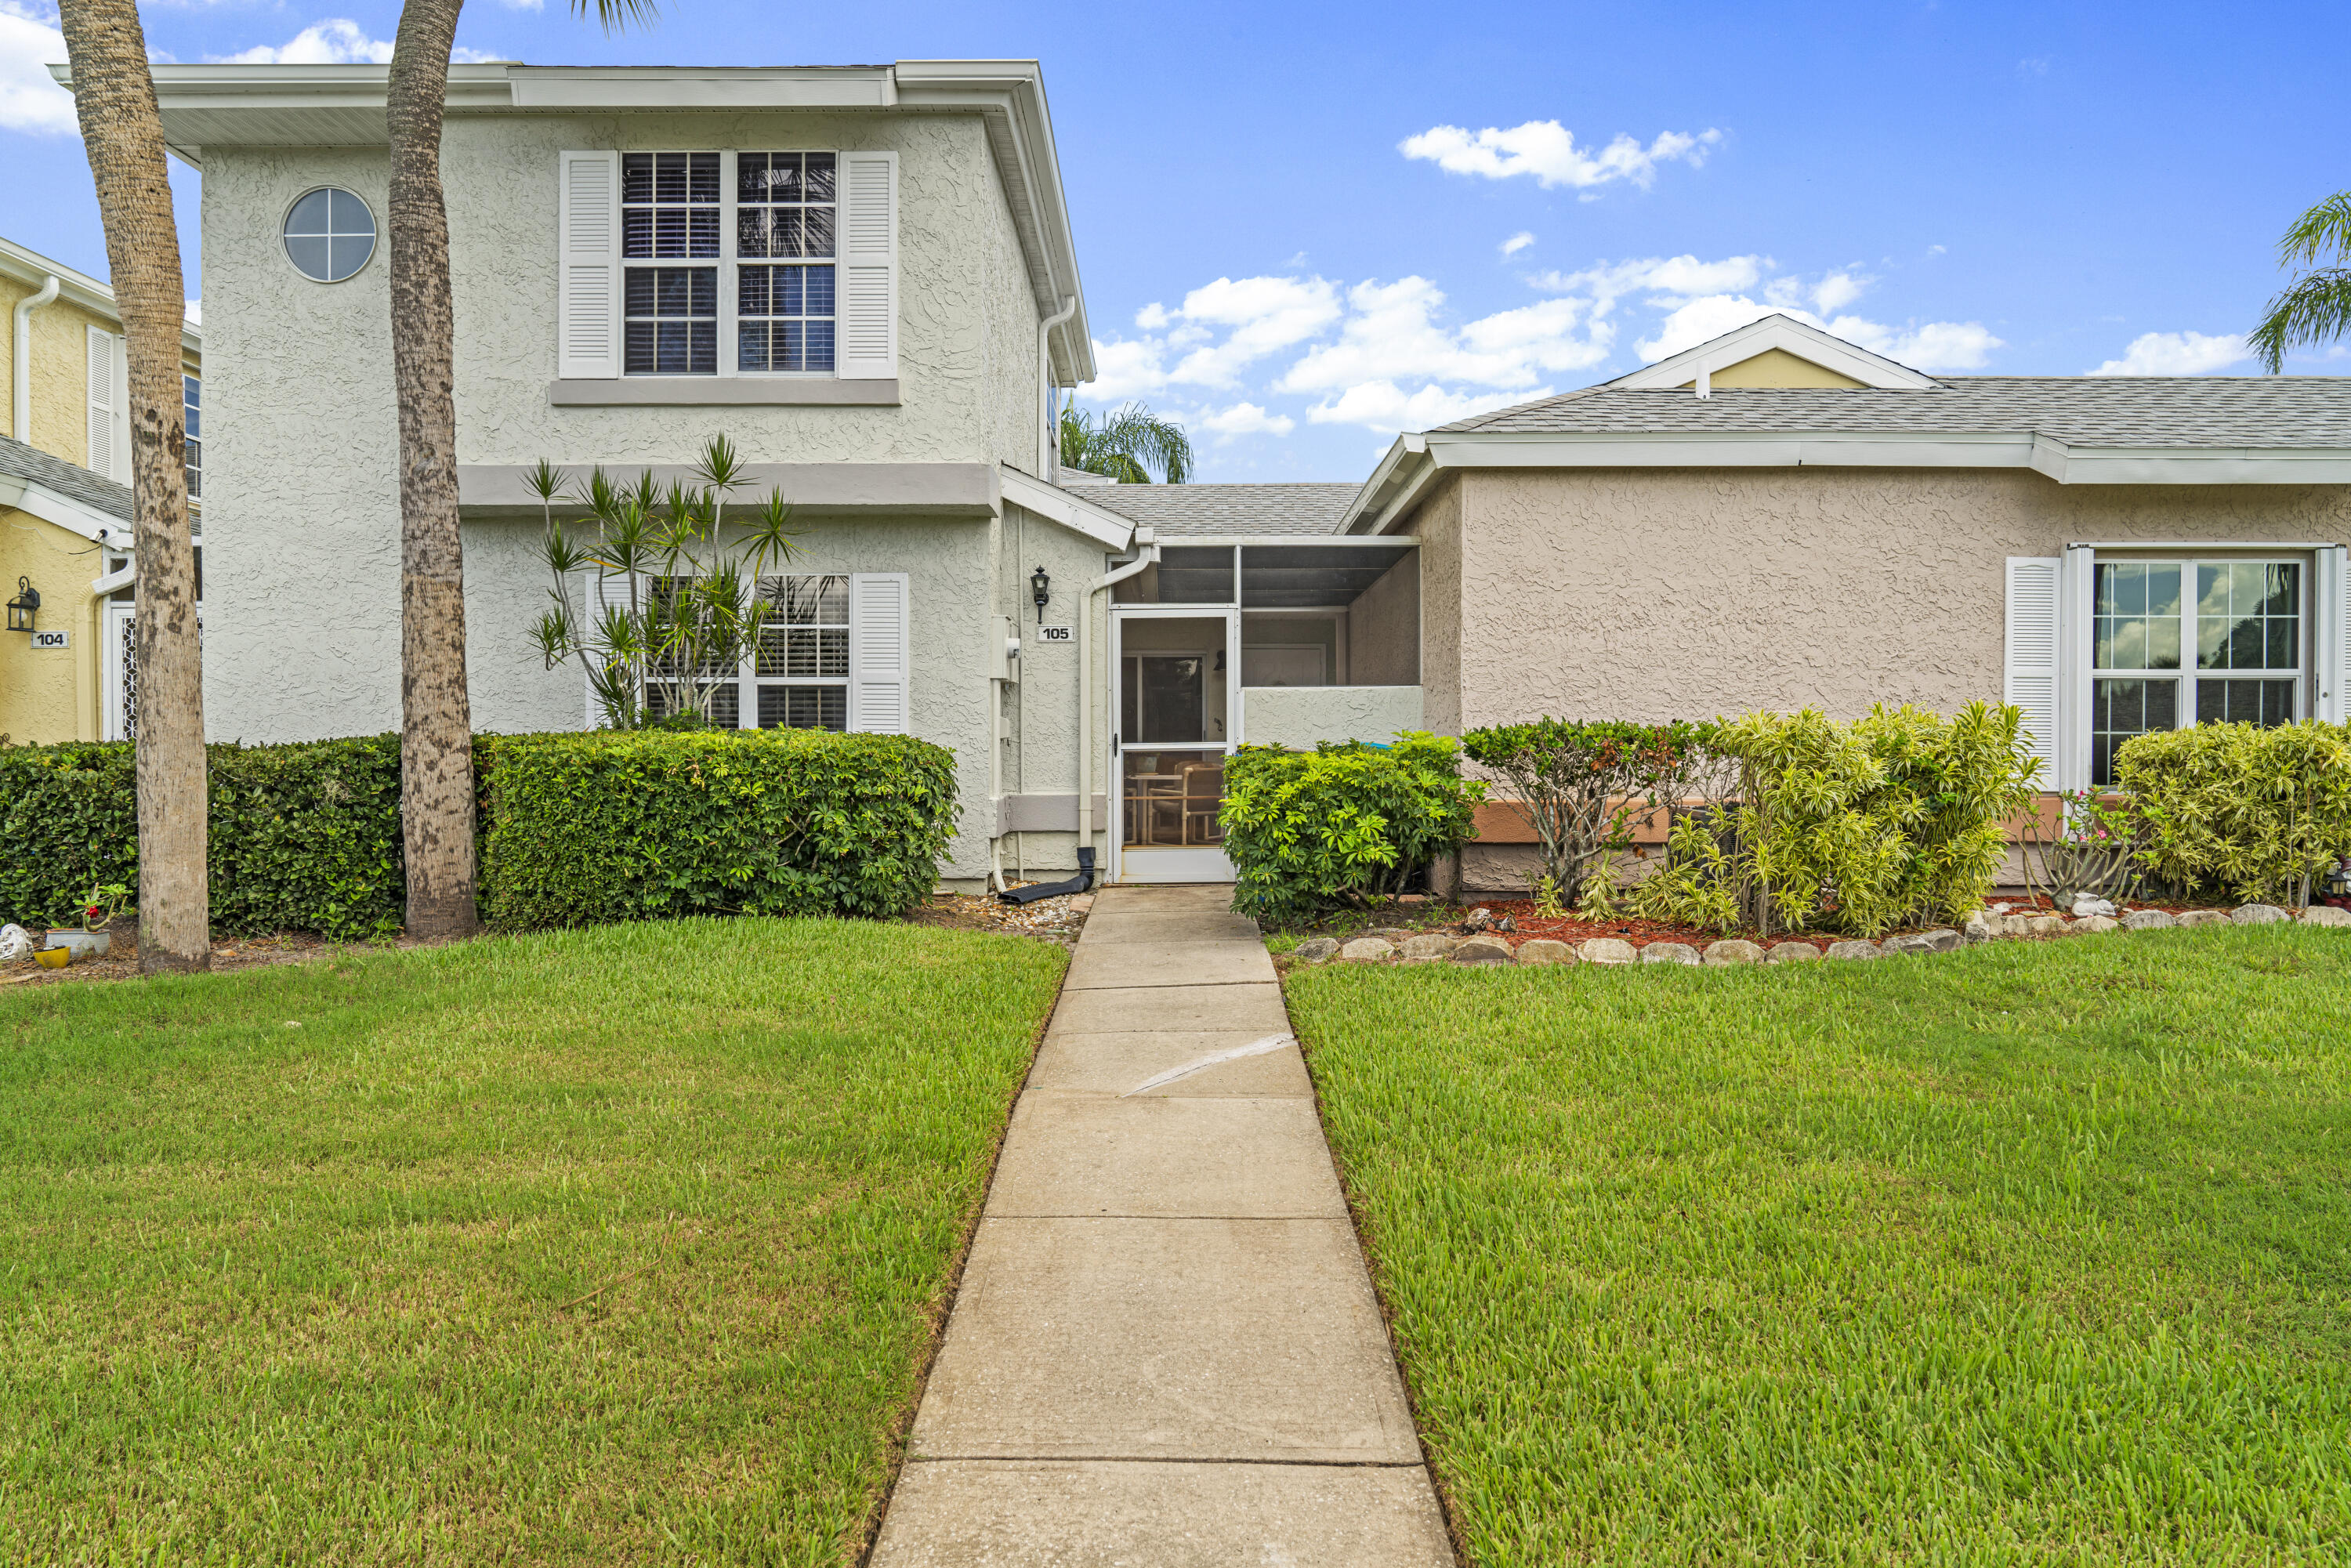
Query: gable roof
(1789,336)
(2075,430)
(1219,511)
(79,289)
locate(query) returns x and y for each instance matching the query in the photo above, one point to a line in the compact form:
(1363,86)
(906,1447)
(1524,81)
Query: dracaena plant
(657,592)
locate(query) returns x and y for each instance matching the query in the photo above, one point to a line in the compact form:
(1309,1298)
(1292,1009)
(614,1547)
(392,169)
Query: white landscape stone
(1668,953)
(1315,950)
(2203,917)
(2325,914)
(1855,950)
(1366,950)
(1731,950)
(1608,950)
(1793,953)
(2148,920)
(2257,915)
(2094,924)
(1482,950)
(1545,950)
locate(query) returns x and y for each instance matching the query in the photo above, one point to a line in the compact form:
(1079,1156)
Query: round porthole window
(330,234)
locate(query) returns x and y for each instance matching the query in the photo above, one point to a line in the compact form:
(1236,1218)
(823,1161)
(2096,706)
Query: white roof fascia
(2070,465)
(1393,484)
(1058,505)
(1309,541)
(74,517)
(78,288)
(1012,94)
(1784,332)
(602,87)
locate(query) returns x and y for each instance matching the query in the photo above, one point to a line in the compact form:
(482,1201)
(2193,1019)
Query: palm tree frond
(613,15)
(2317,309)
(1126,445)
(2326,227)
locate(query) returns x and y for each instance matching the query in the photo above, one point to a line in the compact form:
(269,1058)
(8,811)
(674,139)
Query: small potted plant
(98,910)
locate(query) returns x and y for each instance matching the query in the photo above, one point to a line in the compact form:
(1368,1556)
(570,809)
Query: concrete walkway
(1166,1350)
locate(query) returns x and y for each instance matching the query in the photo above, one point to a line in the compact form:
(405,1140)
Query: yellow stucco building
(65,499)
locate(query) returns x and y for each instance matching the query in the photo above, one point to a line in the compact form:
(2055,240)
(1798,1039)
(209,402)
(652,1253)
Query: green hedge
(1343,825)
(2234,808)
(642,825)
(303,837)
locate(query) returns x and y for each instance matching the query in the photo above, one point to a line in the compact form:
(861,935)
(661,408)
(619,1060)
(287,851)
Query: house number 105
(1053,634)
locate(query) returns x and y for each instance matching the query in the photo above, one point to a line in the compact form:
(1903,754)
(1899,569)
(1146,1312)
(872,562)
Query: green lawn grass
(2034,1253)
(621,1245)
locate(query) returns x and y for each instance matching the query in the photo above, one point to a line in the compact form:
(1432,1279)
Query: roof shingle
(1177,510)
(19,461)
(2275,412)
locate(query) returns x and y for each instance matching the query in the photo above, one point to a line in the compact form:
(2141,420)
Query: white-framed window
(784,213)
(672,214)
(2183,642)
(835,657)
(192,396)
(799,672)
(774,263)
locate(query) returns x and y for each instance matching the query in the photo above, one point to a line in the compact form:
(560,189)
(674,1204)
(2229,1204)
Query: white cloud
(1122,370)
(1261,314)
(337,42)
(1680,276)
(1547,149)
(1838,290)
(30,99)
(1244,419)
(1392,334)
(2177,354)
(1382,405)
(1518,242)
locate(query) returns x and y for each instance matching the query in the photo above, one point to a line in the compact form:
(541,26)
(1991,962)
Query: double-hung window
(776,264)
(698,235)
(671,215)
(784,229)
(2175,642)
(800,668)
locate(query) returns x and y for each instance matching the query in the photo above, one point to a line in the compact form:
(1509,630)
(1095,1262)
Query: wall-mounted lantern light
(1040,587)
(21,607)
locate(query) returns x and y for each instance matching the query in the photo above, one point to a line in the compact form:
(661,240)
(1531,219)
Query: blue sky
(1304,227)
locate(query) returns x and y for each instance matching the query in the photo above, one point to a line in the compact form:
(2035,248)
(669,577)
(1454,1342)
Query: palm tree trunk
(437,755)
(122,130)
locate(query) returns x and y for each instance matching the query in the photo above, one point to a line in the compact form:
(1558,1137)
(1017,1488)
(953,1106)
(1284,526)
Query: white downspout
(20,386)
(1150,554)
(1048,438)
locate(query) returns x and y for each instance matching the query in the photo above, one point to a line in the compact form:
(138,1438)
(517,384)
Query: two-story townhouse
(863,276)
(65,499)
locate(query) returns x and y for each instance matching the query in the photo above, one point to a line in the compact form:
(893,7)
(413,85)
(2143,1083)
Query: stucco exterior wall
(1040,710)
(952,232)
(60,373)
(1682,593)
(1383,629)
(49,695)
(1438,522)
(1301,718)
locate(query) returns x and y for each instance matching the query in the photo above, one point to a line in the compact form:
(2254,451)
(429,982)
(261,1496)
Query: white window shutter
(879,614)
(591,590)
(588,266)
(110,417)
(2331,644)
(2031,681)
(868,304)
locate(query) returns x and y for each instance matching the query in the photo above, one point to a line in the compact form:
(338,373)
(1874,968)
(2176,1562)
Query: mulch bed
(1053,919)
(121,961)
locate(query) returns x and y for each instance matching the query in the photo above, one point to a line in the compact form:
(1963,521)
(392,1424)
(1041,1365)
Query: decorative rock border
(1389,945)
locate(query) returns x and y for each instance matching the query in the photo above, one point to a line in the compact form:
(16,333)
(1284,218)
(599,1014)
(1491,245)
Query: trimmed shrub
(1855,827)
(1584,785)
(1341,826)
(644,825)
(302,837)
(2235,807)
